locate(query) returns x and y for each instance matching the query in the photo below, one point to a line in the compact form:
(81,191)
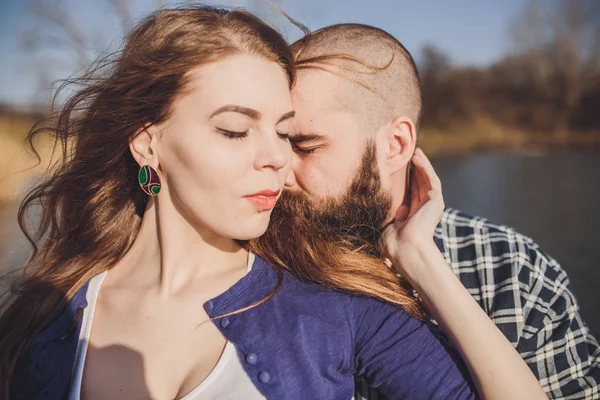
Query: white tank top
(227,381)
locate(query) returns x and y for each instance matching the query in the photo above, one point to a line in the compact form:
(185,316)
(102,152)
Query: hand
(415,221)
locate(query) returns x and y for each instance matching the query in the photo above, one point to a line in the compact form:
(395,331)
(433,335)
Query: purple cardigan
(305,342)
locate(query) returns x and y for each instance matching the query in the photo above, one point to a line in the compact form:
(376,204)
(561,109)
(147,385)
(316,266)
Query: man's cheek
(301,177)
(309,179)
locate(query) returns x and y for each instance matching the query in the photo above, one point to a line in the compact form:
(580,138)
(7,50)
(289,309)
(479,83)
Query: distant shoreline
(487,137)
(457,143)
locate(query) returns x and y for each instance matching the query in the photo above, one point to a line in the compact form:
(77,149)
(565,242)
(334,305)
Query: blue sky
(471,32)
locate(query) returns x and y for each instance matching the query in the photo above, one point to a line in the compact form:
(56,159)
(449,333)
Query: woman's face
(224,154)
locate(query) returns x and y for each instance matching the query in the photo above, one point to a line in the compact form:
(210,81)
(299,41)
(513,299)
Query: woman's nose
(274,153)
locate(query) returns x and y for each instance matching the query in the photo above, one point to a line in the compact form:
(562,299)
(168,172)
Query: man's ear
(400,142)
(143,146)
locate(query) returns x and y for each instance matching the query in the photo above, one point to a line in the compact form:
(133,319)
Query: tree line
(549,83)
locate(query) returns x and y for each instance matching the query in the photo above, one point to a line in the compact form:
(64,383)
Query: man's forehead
(323,91)
(314,83)
(312,125)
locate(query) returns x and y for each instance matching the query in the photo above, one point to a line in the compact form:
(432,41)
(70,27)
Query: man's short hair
(373,61)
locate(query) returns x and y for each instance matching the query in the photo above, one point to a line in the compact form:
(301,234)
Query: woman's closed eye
(284,136)
(233,134)
(243,134)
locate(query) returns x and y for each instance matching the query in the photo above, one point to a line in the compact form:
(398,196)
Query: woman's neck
(170,254)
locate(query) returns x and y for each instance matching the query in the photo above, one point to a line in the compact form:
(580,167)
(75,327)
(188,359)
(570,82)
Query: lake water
(554,199)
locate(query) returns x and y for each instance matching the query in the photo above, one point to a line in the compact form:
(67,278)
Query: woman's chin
(253,229)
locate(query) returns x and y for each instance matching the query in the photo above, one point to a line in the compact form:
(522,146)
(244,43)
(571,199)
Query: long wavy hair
(91,204)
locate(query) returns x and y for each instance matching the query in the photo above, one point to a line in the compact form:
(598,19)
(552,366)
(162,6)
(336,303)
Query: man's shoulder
(480,249)
(314,296)
(342,316)
(458,229)
(457,223)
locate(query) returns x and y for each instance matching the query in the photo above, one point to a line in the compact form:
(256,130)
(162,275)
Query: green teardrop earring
(149,180)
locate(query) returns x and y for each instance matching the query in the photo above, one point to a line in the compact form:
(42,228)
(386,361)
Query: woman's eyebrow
(254,114)
(238,109)
(287,115)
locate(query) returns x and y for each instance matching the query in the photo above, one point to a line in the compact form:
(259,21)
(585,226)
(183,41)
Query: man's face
(334,197)
(326,138)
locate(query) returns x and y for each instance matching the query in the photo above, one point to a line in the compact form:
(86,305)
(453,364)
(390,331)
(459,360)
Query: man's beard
(337,243)
(354,220)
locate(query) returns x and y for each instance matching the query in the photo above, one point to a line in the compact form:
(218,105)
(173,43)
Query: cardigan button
(209,305)
(252,358)
(225,322)
(264,377)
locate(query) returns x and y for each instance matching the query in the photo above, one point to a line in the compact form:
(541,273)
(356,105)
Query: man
(357,85)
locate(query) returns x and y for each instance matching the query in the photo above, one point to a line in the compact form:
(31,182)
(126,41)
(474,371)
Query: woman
(142,287)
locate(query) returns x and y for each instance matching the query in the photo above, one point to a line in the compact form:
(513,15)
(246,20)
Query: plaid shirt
(529,298)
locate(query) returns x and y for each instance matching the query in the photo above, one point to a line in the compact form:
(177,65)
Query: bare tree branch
(123,10)
(58,20)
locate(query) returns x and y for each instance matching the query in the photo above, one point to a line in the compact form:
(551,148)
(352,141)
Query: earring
(149,180)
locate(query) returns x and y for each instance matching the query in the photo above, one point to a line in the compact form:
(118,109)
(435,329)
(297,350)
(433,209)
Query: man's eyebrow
(287,115)
(238,109)
(306,137)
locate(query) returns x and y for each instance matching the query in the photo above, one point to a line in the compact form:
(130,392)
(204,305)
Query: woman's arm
(496,368)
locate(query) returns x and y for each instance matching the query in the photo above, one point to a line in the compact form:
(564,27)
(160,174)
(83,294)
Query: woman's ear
(143,145)
(400,142)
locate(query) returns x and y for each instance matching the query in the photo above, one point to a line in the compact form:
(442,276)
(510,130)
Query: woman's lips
(264,200)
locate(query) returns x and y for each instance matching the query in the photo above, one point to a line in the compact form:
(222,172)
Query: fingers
(420,186)
(424,185)
(432,179)
(429,182)
(416,195)
(402,213)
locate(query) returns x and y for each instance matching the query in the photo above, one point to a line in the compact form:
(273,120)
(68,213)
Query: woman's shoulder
(359,308)
(368,323)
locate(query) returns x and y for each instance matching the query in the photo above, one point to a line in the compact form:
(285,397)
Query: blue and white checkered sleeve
(554,341)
